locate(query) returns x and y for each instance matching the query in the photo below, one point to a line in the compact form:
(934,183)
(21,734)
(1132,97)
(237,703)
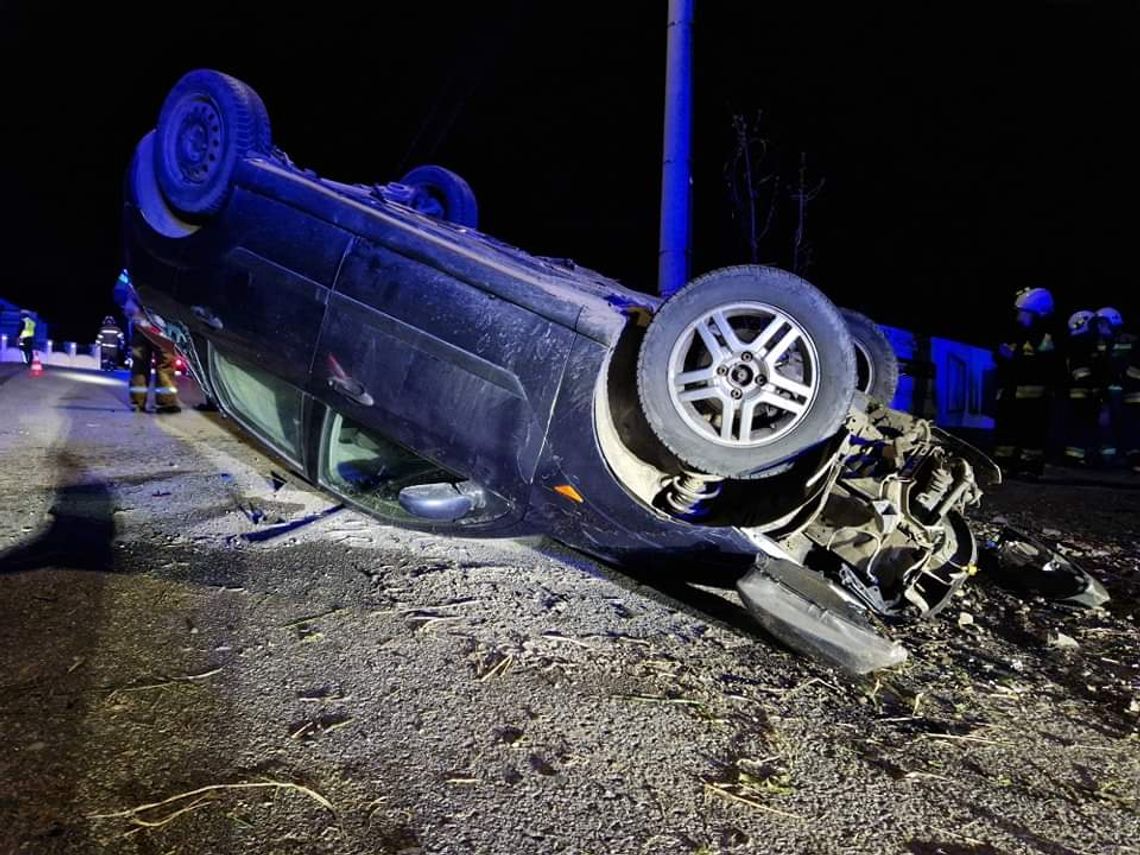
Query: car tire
(876,365)
(443,194)
(784,371)
(208,122)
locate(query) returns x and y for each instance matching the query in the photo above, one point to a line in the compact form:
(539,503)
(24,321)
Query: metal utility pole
(676,169)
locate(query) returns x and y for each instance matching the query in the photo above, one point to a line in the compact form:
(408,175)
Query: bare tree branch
(756,192)
(801,249)
(751,190)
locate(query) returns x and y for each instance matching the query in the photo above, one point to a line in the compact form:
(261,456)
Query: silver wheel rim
(864,367)
(743,375)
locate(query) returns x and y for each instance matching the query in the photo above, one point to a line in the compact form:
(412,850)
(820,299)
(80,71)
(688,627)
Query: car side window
(364,467)
(266,405)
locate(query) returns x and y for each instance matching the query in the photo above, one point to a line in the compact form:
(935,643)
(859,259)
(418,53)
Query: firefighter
(1122,369)
(111,342)
(1029,370)
(1084,393)
(147,343)
(27,336)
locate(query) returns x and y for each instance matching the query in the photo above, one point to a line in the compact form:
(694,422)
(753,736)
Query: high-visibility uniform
(1028,372)
(1125,386)
(27,338)
(110,345)
(143,350)
(147,345)
(1085,397)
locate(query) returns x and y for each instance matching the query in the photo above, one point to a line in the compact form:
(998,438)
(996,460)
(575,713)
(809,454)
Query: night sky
(964,152)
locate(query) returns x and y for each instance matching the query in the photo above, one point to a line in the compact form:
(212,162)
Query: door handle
(207,317)
(352,389)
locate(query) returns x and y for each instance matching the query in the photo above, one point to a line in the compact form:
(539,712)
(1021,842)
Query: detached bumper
(811,615)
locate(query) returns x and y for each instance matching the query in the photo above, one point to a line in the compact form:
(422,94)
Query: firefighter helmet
(1036,300)
(1079,321)
(1114,318)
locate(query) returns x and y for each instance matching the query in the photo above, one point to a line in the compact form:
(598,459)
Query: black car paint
(505,350)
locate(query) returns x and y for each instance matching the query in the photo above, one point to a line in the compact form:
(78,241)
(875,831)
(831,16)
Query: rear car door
(450,371)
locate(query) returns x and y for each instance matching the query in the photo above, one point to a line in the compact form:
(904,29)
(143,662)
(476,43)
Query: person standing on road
(1122,370)
(1028,371)
(111,342)
(147,344)
(27,336)
(1084,394)
(1130,410)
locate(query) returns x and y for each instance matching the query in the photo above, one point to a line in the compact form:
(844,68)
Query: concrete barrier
(70,356)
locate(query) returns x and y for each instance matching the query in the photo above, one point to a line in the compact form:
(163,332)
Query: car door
(260,290)
(446,369)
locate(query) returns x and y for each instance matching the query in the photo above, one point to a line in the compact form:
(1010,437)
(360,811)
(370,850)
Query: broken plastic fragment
(811,615)
(285,528)
(1062,642)
(1027,565)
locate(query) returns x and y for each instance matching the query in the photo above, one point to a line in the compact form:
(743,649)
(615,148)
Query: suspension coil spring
(688,494)
(935,488)
(940,480)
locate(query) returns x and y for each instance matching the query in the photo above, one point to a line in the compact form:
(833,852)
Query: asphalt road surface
(184,673)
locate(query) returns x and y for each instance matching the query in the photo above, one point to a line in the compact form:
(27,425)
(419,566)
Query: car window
(267,405)
(362,466)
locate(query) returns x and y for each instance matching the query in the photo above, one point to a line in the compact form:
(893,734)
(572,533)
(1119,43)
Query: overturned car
(434,377)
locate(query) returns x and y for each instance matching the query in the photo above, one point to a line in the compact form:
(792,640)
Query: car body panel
(482,358)
(581,302)
(429,347)
(611,523)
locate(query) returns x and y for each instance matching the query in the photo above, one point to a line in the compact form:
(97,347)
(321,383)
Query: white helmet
(1079,321)
(1114,318)
(1036,300)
